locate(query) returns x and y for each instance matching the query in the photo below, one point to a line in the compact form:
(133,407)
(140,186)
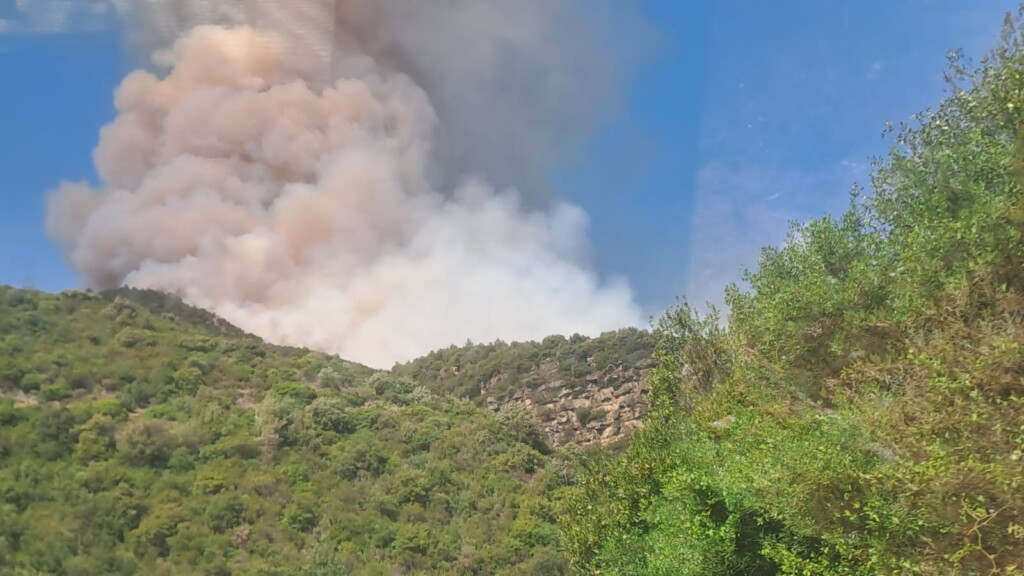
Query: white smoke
(290,177)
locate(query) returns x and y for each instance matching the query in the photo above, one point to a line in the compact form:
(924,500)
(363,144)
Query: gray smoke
(317,172)
(516,83)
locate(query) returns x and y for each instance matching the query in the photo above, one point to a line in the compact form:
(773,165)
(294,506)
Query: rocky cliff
(581,390)
(606,407)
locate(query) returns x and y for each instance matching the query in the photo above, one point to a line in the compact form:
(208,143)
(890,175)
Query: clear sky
(748,114)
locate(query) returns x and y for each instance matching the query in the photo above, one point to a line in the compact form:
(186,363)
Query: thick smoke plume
(316,172)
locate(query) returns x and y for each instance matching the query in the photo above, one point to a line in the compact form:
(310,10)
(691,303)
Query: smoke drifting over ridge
(317,172)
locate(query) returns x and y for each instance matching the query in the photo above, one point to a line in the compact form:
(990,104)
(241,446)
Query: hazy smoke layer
(306,211)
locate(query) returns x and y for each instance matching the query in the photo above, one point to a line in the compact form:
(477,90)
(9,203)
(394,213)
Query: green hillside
(581,391)
(862,412)
(468,370)
(142,436)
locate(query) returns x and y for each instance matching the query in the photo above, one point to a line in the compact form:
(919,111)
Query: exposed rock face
(606,406)
(582,390)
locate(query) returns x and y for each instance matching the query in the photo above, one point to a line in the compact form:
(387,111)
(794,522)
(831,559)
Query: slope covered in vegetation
(142,436)
(863,410)
(581,390)
(468,371)
(860,412)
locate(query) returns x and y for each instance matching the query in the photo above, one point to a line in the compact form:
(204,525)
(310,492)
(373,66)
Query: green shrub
(31,382)
(55,392)
(135,338)
(300,515)
(861,413)
(146,442)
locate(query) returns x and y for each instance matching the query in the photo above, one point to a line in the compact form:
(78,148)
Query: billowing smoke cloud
(316,172)
(516,83)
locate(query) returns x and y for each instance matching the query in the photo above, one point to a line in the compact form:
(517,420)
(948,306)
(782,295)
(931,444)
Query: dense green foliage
(863,410)
(467,371)
(141,436)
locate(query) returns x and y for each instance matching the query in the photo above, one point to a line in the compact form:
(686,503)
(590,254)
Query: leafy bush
(519,423)
(861,414)
(55,392)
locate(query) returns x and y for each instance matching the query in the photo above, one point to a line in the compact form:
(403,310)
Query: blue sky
(748,115)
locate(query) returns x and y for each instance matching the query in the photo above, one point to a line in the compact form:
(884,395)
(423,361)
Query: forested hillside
(859,411)
(142,436)
(862,410)
(581,390)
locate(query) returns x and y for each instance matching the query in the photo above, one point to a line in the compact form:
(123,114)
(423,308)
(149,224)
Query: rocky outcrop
(605,406)
(582,390)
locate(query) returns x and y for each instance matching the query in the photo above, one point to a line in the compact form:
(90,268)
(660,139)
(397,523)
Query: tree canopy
(861,411)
